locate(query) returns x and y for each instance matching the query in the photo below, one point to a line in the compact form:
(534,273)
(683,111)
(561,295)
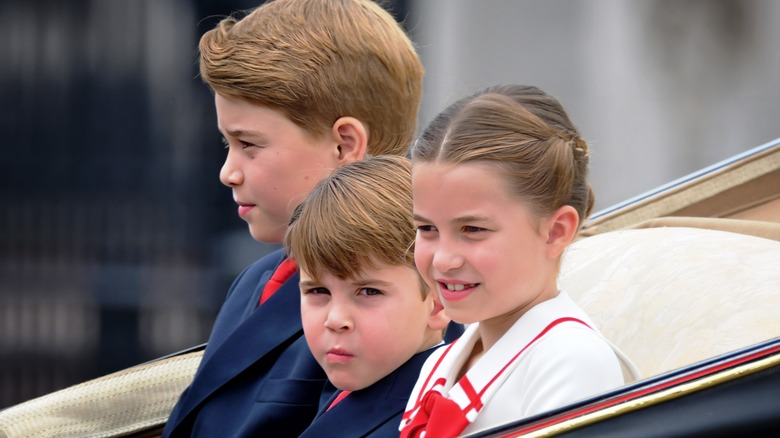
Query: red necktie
(283,272)
(338,398)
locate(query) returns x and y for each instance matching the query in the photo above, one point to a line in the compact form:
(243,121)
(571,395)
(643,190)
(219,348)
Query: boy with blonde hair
(368,317)
(301,88)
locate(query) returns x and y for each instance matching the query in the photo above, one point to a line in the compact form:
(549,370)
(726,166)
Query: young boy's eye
(369,291)
(317,291)
(472,229)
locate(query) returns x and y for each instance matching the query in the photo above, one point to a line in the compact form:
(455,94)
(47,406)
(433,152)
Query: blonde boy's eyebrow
(235,132)
(244,133)
(307,283)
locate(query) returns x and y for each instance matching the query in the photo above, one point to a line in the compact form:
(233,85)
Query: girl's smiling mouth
(456,291)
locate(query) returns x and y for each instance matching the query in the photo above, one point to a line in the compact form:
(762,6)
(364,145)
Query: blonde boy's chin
(264,234)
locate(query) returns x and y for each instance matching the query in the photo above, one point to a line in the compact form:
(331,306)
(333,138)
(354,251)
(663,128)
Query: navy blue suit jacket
(257,376)
(371,412)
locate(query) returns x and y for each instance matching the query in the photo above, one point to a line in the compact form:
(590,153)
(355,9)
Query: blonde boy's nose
(230,175)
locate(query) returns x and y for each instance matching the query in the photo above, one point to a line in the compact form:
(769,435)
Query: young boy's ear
(438,319)
(351,137)
(561,227)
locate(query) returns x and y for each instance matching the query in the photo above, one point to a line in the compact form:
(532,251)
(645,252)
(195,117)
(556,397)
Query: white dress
(552,356)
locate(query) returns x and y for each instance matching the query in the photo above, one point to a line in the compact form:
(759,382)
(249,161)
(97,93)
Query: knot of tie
(283,272)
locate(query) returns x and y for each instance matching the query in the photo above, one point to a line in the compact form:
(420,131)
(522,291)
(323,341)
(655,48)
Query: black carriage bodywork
(731,393)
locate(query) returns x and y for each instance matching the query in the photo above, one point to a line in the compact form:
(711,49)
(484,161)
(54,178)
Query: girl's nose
(447,258)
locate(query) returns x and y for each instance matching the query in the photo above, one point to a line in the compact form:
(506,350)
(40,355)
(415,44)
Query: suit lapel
(361,412)
(249,343)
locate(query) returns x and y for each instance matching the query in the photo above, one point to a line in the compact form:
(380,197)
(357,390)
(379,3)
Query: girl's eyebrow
(471,218)
(245,133)
(461,219)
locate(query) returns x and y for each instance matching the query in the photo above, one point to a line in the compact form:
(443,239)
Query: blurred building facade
(114,229)
(659,88)
(117,241)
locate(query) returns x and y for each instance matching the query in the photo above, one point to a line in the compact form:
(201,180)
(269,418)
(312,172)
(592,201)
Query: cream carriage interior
(677,276)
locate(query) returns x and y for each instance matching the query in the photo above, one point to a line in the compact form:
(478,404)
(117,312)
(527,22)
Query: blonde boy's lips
(244,208)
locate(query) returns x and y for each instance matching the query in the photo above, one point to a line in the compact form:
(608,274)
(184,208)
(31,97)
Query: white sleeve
(569,364)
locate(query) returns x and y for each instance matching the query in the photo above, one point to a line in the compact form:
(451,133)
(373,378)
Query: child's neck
(491,330)
(476,353)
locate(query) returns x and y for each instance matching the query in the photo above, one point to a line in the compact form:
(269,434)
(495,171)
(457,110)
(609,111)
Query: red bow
(438,417)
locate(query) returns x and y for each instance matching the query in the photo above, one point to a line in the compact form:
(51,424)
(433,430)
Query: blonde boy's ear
(561,227)
(438,319)
(351,136)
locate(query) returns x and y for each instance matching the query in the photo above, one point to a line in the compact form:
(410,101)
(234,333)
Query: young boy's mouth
(338,355)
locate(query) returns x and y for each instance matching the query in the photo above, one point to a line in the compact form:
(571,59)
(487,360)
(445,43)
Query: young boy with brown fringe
(301,87)
(368,317)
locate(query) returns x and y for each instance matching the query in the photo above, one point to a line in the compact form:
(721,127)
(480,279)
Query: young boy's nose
(338,319)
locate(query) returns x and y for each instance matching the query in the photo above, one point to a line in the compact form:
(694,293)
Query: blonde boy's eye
(243,144)
(426,228)
(473,229)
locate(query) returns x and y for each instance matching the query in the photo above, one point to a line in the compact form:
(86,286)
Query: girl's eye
(472,229)
(317,291)
(245,145)
(426,228)
(369,291)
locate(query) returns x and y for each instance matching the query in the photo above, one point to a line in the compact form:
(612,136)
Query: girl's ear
(351,137)
(561,227)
